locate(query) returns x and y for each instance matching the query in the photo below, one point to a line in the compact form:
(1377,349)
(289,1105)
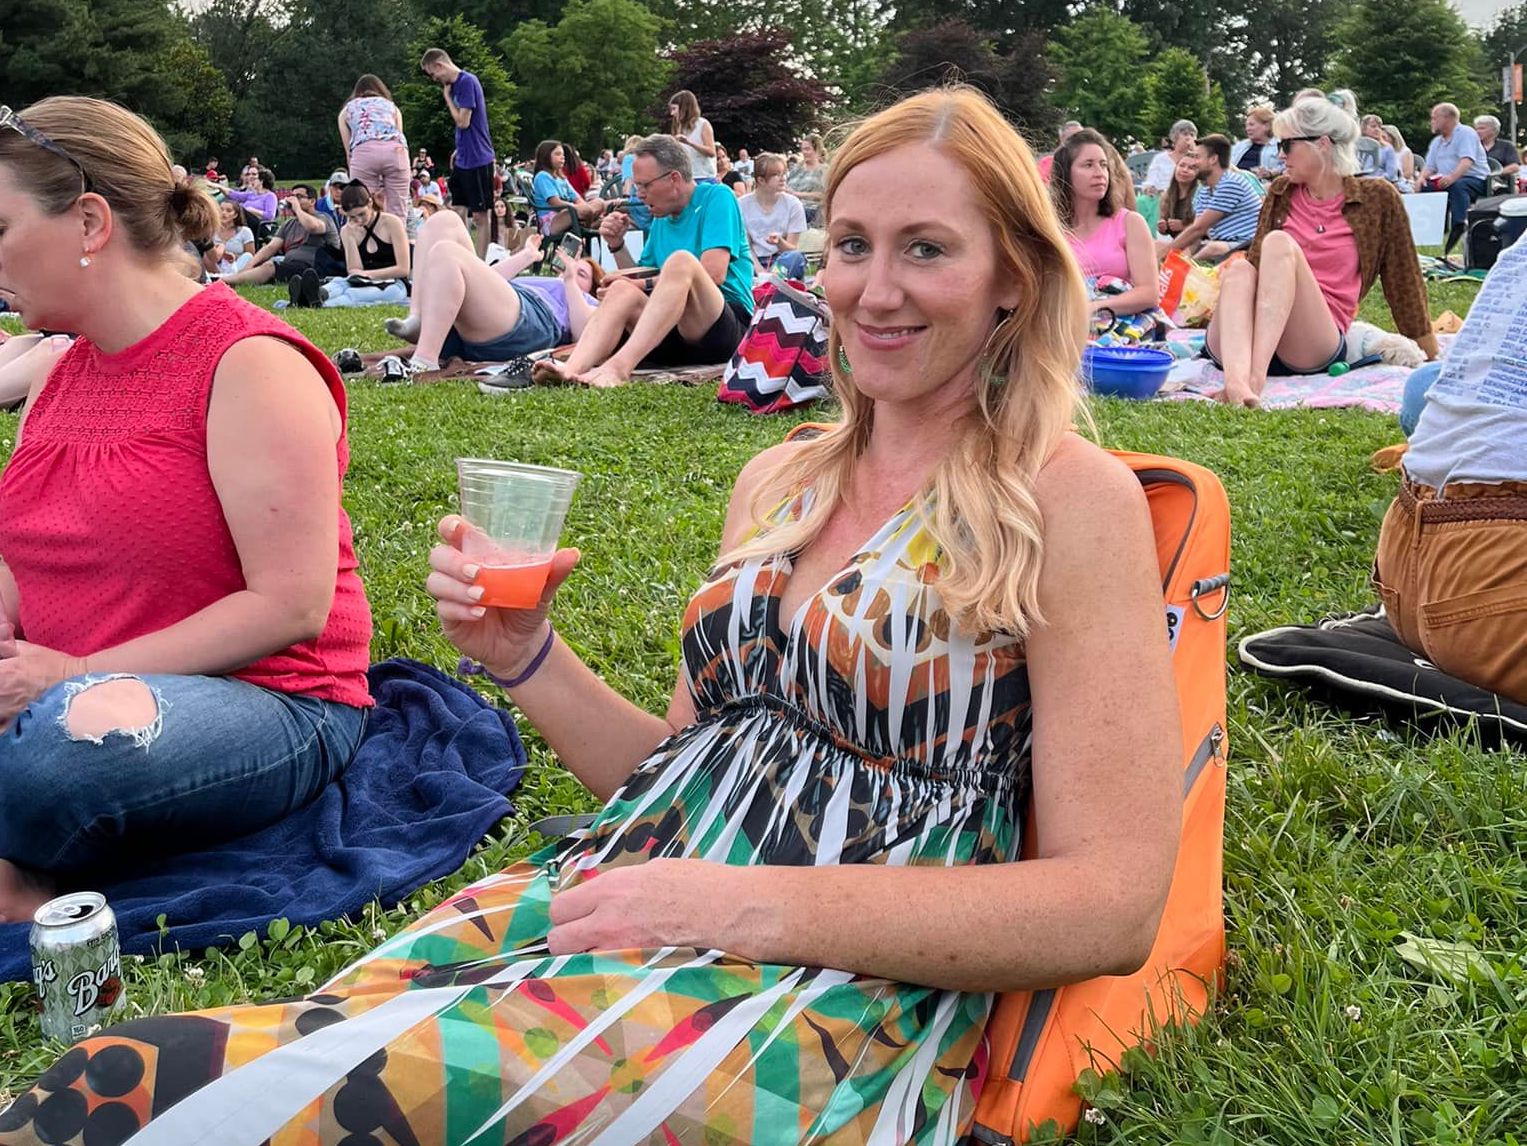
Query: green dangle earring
(843,362)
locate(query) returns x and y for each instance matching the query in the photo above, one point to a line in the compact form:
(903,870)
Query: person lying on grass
(1324,236)
(463,308)
(183,636)
(788,921)
(689,300)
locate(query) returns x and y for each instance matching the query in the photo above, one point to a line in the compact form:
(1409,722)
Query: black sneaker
(312,289)
(395,370)
(514,376)
(294,290)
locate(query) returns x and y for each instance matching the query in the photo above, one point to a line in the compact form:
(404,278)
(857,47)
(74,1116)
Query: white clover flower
(195,974)
(1095,1116)
(1353,1012)
(379,933)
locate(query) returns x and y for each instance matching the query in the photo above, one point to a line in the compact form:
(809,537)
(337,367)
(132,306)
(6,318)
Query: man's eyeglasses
(12,120)
(642,186)
(1287,142)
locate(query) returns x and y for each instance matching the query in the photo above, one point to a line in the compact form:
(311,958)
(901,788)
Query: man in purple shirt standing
(471,179)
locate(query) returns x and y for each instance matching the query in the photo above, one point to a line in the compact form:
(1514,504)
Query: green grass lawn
(1341,835)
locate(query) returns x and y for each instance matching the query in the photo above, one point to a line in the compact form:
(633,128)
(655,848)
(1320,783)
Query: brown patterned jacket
(1384,248)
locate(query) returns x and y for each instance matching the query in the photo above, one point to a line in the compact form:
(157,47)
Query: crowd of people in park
(835,788)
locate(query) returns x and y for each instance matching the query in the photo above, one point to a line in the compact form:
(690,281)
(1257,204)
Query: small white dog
(1364,339)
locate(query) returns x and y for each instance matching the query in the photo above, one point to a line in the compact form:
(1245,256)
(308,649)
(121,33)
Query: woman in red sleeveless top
(183,636)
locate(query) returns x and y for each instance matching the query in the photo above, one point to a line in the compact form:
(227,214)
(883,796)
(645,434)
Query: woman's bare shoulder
(1079,474)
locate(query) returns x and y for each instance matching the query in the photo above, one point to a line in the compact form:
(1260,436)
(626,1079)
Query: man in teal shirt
(689,300)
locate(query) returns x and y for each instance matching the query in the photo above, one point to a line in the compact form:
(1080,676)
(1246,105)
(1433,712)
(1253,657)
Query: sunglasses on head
(1287,142)
(13,120)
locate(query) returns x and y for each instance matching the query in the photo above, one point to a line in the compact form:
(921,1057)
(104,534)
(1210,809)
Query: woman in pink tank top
(1107,237)
(183,635)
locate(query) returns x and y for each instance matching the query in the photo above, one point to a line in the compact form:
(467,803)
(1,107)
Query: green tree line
(268,77)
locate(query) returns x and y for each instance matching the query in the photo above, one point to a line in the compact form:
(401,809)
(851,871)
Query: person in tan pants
(1451,566)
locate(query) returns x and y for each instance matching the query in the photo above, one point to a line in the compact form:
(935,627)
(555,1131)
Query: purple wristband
(467,667)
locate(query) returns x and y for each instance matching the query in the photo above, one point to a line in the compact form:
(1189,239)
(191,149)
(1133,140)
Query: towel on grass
(429,779)
(458,369)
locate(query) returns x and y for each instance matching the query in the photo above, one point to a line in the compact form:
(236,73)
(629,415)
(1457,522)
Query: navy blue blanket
(427,783)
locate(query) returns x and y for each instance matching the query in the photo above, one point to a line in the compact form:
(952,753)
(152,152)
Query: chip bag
(1190,290)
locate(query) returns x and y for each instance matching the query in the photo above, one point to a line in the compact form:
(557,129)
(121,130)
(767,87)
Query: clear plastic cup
(515,514)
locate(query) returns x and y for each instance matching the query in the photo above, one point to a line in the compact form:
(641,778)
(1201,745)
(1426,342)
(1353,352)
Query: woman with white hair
(1182,137)
(1323,238)
(1498,148)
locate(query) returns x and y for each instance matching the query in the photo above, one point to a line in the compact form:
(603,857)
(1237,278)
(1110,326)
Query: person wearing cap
(328,202)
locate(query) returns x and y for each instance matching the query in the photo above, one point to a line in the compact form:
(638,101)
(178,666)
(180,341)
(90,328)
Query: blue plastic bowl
(1126,371)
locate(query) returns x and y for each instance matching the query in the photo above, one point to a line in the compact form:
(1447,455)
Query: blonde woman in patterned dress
(788,921)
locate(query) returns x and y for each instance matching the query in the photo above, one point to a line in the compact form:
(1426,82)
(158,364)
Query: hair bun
(191,210)
(182,196)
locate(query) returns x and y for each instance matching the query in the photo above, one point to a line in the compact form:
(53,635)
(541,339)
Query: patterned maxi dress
(863,730)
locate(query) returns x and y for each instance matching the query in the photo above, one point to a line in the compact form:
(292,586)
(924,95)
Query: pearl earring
(84,260)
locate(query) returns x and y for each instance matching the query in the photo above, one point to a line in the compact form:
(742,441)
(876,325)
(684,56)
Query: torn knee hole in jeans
(94,710)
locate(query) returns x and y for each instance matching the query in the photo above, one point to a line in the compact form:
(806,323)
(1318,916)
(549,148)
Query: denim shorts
(537,329)
(221,758)
(1277,368)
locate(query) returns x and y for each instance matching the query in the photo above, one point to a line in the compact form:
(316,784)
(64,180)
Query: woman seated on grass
(233,243)
(789,919)
(1323,238)
(1451,566)
(1175,213)
(183,637)
(1107,239)
(553,198)
(377,256)
(463,308)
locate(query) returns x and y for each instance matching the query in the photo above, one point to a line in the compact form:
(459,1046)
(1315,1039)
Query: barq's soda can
(76,965)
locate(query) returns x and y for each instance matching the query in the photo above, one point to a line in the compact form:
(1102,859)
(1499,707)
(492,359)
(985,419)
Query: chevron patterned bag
(781,362)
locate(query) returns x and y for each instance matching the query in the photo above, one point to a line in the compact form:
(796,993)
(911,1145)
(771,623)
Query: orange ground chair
(1041,1041)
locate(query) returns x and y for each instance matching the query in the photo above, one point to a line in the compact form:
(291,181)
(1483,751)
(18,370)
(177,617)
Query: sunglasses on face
(1287,143)
(12,120)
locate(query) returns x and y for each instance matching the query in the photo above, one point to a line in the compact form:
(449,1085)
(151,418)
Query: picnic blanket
(429,779)
(1379,387)
(456,369)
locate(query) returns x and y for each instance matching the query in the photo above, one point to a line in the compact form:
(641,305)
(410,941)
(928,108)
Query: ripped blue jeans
(221,758)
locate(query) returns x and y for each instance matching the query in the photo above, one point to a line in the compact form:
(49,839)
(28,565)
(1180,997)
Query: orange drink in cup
(514,514)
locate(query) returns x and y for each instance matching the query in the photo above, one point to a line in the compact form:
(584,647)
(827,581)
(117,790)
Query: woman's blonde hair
(979,503)
(1316,117)
(124,161)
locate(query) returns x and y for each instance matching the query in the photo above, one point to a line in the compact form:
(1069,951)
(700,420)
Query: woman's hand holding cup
(503,639)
